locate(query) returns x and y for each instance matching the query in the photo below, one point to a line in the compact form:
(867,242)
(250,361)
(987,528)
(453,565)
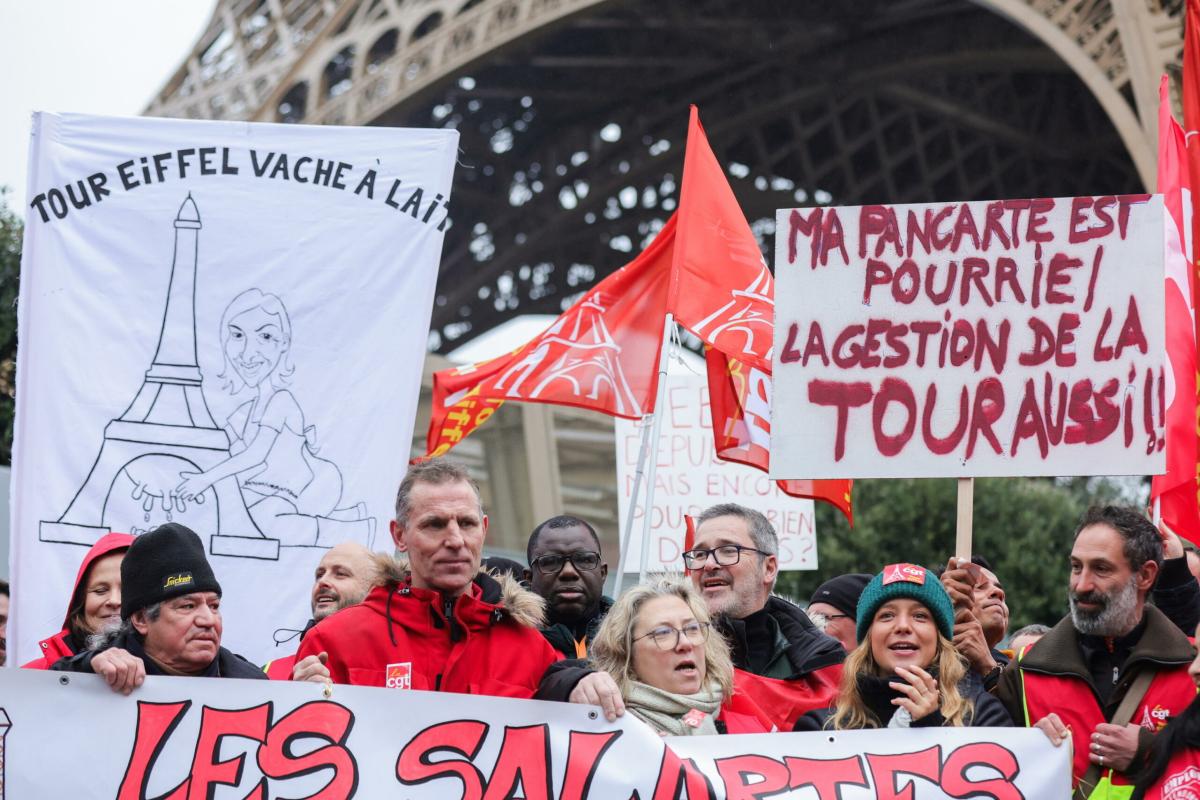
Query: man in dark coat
(1075,680)
(170,617)
(566,568)
(733,564)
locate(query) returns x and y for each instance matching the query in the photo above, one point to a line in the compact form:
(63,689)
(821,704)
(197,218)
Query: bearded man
(1115,670)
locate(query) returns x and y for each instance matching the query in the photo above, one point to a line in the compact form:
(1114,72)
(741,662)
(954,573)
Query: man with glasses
(734,564)
(833,605)
(566,569)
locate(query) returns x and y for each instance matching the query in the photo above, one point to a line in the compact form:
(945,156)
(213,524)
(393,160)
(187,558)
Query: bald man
(343,578)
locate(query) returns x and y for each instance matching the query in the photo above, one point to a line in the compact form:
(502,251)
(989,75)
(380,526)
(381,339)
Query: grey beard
(1118,617)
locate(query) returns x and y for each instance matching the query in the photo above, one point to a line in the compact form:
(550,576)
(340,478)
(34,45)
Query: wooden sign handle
(966,513)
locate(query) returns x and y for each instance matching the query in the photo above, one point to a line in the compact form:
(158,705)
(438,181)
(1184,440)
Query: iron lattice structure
(573,115)
(573,112)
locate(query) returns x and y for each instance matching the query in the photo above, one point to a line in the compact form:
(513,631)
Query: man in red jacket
(435,622)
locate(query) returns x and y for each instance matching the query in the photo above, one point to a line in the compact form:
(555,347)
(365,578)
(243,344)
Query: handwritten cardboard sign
(1011,337)
(690,478)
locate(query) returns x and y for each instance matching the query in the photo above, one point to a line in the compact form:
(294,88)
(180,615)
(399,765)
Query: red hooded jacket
(486,641)
(59,645)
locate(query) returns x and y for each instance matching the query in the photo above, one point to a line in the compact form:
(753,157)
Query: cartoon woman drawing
(291,493)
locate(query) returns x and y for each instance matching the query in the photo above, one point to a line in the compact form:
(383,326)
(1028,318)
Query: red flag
(721,289)
(602,354)
(689,536)
(1191,108)
(740,402)
(1176,490)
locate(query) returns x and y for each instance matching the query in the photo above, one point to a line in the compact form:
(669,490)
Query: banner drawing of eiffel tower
(167,429)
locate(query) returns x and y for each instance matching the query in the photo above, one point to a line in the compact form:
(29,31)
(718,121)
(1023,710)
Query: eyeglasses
(726,555)
(584,560)
(667,638)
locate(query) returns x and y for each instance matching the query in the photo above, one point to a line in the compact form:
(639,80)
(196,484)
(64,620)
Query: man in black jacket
(733,564)
(170,617)
(566,568)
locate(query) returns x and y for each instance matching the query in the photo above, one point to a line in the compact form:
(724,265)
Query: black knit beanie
(164,563)
(842,592)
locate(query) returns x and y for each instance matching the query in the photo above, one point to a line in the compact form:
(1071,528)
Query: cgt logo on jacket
(399,676)
(1155,719)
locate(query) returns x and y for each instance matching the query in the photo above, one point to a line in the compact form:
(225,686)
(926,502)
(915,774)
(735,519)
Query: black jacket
(562,637)
(1177,594)
(779,641)
(225,665)
(877,695)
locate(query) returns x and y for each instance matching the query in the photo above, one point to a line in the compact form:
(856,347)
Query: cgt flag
(740,402)
(601,354)
(1176,489)
(729,302)
(721,289)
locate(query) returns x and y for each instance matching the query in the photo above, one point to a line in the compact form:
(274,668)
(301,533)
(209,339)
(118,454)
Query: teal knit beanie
(911,581)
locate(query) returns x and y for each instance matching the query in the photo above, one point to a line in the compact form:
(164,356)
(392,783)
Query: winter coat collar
(807,649)
(562,637)
(1058,652)
(489,600)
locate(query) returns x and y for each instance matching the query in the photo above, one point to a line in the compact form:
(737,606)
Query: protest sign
(1014,337)
(210,737)
(690,478)
(223,325)
(1002,763)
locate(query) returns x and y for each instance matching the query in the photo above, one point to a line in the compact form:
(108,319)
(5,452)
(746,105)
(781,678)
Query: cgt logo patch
(903,572)
(1155,719)
(398,676)
(178,579)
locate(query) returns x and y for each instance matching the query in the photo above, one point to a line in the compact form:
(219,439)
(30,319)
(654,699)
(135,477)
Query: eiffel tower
(167,429)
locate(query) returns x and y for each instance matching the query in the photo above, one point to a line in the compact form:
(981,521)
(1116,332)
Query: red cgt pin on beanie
(166,562)
(911,581)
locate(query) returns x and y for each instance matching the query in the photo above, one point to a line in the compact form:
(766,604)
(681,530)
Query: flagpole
(663,361)
(649,450)
(633,498)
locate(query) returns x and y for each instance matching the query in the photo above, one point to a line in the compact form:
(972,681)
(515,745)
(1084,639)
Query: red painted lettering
(415,764)
(956,783)
(843,397)
(887,769)
(827,776)
(893,390)
(988,408)
(937,444)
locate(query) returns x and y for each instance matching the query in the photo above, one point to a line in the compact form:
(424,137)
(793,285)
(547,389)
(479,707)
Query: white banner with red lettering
(221,324)
(224,738)
(689,478)
(1014,337)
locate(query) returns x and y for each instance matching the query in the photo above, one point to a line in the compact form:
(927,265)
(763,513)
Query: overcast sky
(90,56)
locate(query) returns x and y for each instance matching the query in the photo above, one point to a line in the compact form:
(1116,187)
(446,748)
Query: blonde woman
(672,669)
(905,671)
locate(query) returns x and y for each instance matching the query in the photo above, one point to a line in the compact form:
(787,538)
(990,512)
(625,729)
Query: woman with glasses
(905,671)
(672,669)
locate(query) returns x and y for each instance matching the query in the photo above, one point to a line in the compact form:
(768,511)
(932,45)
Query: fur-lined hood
(523,606)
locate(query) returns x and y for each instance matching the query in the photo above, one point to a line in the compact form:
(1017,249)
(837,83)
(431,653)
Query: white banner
(1014,337)
(222,738)
(919,763)
(690,478)
(221,324)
